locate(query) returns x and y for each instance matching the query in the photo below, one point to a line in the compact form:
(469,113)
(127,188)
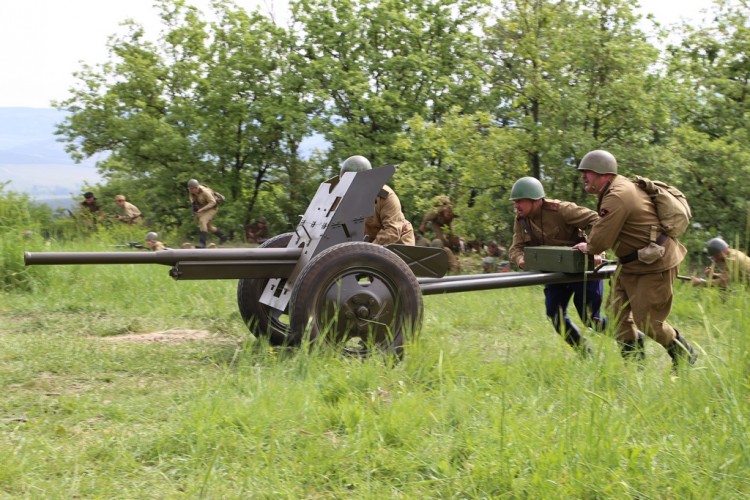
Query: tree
(377,64)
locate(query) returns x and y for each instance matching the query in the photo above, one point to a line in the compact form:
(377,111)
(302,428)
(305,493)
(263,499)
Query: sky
(42,42)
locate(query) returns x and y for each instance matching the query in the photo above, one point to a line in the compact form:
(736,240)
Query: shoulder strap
(527,227)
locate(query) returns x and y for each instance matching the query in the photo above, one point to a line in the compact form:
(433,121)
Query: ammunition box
(557,259)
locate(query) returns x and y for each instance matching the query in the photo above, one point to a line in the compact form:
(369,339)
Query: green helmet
(527,187)
(152,236)
(716,246)
(599,161)
(192,183)
(355,163)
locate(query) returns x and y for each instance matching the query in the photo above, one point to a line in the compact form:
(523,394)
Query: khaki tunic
(388,225)
(131,214)
(439,218)
(158,245)
(642,293)
(206,208)
(734,268)
(558,223)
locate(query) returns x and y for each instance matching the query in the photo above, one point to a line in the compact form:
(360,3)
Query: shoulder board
(551,205)
(383,194)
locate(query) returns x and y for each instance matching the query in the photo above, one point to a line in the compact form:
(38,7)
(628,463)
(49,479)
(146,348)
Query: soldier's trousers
(204,220)
(587,299)
(643,301)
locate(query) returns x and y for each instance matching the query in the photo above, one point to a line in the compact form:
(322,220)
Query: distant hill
(32,159)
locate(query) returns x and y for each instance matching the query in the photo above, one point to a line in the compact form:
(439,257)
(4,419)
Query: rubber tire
(263,321)
(380,295)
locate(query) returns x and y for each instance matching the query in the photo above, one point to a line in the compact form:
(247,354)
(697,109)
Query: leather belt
(634,256)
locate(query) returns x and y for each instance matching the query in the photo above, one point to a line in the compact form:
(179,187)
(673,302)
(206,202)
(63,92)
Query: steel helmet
(355,163)
(599,161)
(527,187)
(716,246)
(192,183)
(152,236)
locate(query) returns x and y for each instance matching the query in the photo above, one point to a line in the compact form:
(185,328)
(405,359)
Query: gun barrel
(166,257)
(434,286)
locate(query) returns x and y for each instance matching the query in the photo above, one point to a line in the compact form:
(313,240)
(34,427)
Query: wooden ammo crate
(557,259)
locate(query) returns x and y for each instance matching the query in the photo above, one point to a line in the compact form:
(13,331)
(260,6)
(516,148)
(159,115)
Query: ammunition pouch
(648,254)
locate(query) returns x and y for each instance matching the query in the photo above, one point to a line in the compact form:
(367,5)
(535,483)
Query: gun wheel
(356,296)
(264,321)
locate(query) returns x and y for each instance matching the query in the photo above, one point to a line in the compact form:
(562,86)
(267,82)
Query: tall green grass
(489,402)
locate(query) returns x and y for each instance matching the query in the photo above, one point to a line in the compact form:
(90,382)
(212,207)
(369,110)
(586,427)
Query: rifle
(131,244)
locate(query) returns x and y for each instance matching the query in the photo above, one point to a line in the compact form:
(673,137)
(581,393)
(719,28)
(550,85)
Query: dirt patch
(165,337)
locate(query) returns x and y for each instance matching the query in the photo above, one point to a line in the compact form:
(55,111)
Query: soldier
(153,243)
(628,224)
(727,265)
(388,225)
(257,232)
(131,215)
(91,211)
(552,222)
(205,208)
(440,219)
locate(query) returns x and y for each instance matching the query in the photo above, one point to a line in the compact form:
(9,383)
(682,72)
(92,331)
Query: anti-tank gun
(322,282)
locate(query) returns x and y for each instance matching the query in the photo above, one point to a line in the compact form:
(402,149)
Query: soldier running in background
(205,208)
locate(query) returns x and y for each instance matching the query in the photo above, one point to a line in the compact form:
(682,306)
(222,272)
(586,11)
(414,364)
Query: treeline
(465,96)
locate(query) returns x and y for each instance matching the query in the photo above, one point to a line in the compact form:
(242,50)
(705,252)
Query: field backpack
(219,197)
(671,205)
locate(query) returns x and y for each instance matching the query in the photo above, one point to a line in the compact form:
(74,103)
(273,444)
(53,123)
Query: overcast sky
(42,42)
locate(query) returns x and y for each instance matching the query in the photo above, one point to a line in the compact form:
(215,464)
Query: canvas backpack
(672,206)
(219,197)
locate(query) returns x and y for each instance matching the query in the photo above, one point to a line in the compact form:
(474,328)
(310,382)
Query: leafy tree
(712,65)
(221,102)
(377,64)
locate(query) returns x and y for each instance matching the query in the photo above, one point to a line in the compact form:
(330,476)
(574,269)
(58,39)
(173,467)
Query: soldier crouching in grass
(642,292)
(561,223)
(153,243)
(727,266)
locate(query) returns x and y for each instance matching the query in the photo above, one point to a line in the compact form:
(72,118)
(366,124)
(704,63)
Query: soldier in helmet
(728,265)
(540,221)
(153,243)
(388,224)
(205,208)
(641,295)
(440,219)
(130,213)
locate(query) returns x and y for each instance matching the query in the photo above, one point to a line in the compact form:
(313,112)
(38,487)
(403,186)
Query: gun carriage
(322,281)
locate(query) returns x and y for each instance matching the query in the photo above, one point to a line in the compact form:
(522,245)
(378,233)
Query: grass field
(121,383)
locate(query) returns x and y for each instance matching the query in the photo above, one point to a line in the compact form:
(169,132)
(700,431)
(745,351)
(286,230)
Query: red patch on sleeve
(603,212)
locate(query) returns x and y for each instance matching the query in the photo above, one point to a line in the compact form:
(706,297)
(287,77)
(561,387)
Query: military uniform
(439,218)
(155,246)
(561,223)
(91,211)
(734,267)
(642,293)
(205,208)
(388,224)
(131,215)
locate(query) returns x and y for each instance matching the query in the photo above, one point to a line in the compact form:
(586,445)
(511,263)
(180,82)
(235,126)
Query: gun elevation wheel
(262,320)
(358,296)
